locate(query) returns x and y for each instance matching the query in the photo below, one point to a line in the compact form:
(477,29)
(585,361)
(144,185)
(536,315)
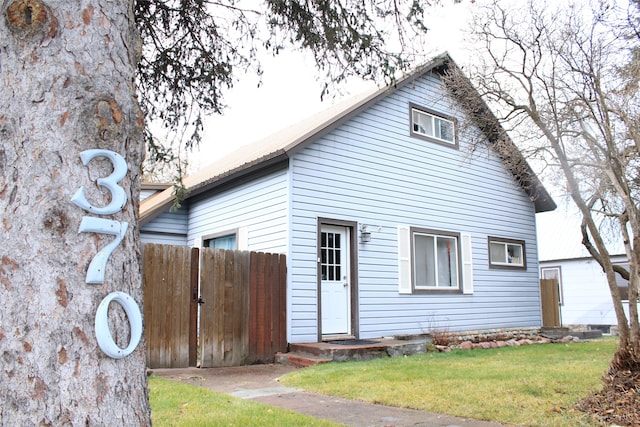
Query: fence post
(193,307)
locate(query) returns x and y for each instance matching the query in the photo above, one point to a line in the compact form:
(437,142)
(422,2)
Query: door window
(330,250)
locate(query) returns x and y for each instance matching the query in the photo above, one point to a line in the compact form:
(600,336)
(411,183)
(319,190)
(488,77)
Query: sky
(290,91)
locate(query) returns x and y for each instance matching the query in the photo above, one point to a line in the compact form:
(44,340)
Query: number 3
(118,195)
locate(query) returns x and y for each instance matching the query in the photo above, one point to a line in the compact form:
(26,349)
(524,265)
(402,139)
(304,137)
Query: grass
(536,385)
(177,404)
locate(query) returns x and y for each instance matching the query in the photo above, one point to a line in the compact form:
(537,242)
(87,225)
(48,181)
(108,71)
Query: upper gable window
(432,126)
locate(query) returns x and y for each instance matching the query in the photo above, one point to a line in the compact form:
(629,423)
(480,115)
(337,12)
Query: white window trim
(242,239)
(240,233)
(506,243)
(559,270)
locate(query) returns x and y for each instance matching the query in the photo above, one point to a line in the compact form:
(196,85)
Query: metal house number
(97,267)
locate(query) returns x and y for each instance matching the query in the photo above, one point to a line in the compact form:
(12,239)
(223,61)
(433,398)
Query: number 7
(96,270)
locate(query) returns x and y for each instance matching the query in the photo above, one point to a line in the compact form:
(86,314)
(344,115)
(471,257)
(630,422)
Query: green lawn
(536,385)
(177,404)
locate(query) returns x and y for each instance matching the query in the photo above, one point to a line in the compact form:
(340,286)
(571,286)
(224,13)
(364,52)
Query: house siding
(371,171)
(259,208)
(163,239)
(169,228)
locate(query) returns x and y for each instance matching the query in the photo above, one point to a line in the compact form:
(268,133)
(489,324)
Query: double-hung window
(435,261)
(432,126)
(506,253)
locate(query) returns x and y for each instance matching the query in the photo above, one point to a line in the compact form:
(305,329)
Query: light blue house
(391,225)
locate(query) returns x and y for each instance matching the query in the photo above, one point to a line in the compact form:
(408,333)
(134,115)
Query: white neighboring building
(584,294)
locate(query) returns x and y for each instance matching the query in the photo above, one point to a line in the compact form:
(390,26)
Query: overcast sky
(291,93)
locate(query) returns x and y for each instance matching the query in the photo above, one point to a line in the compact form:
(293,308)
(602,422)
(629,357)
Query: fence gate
(550,298)
(242,315)
(170,305)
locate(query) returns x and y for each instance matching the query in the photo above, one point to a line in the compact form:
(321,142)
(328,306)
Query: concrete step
(358,350)
(300,360)
(586,334)
(340,353)
(554,332)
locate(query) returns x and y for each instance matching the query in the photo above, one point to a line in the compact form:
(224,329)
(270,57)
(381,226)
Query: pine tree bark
(67,72)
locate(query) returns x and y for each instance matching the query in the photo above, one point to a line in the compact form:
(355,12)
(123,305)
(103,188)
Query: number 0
(103,334)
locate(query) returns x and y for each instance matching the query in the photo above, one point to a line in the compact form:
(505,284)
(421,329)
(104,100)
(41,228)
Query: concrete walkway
(260,383)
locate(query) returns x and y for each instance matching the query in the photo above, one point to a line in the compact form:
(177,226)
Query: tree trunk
(67,72)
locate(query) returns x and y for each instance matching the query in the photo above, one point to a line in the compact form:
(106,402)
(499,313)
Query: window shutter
(404,260)
(467,264)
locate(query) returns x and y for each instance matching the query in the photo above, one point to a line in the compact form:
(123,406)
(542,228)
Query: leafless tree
(567,75)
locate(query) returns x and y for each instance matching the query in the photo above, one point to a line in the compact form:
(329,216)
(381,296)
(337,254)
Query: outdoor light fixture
(365,235)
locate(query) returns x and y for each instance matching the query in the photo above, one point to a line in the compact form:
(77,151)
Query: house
(390,223)
(168,226)
(585,299)
(148,189)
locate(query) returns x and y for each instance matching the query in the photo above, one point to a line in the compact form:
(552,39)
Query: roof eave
(512,157)
(354,109)
(148,211)
(159,203)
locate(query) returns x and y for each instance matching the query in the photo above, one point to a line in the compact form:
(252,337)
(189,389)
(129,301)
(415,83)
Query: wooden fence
(550,299)
(170,305)
(242,313)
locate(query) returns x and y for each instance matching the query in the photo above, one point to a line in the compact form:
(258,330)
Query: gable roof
(282,145)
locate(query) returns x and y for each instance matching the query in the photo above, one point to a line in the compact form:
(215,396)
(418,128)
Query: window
(435,261)
(330,249)
(553,273)
(623,284)
(432,126)
(221,242)
(444,258)
(506,253)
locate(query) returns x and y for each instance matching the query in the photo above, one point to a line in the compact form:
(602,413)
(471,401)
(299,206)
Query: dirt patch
(618,402)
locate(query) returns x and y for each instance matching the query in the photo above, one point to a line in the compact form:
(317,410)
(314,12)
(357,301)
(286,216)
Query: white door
(334,280)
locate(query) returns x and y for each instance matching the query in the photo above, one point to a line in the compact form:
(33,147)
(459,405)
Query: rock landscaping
(446,341)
